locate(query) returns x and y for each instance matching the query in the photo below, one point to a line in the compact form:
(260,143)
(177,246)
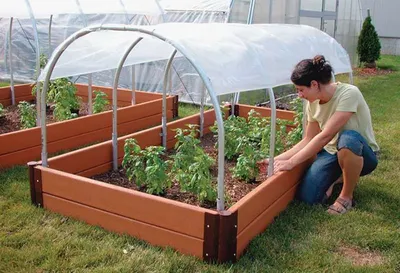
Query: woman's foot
(341,206)
(329,192)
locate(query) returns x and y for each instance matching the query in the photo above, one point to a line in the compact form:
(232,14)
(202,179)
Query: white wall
(385,16)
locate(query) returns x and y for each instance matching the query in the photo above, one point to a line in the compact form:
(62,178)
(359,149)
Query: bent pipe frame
(273,132)
(10,60)
(221,133)
(37,73)
(164,99)
(114,102)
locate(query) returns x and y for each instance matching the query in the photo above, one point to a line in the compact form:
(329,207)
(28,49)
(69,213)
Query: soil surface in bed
(11,121)
(235,189)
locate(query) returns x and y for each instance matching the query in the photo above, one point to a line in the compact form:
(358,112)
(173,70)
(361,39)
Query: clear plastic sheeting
(23,43)
(348,19)
(44,8)
(196,5)
(235,57)
(68,16)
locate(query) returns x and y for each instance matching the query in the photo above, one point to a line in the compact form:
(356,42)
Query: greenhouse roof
(45,8)
(200,5)
(234,57)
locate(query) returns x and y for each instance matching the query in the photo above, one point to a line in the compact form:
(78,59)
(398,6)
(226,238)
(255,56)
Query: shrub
(2,111)
(369,46)
(100,102)
(28,114)
(191,165)
(296,134)
(146,167)
(63,95)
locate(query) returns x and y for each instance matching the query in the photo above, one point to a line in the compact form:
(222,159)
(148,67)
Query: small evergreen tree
(369,46)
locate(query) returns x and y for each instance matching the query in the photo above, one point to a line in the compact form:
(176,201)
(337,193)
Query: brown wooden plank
(97,170)
(34,153)
(259,199)
(25,98)
(20,157)
(124,95)
(135,205)
(265,112)
(83,159)
(20,90)
(5,93)
(19,140)
(262,221)
(23,139)
(153,234)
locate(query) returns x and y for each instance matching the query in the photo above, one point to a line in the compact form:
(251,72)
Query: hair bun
(318,62)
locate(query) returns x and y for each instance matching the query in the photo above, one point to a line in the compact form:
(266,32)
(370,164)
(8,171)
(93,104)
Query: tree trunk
(370,65)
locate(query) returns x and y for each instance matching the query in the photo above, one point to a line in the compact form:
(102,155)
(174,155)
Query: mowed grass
(302,239)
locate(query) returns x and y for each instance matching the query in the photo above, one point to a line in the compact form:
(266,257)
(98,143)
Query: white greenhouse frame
(53,8)
(190,53)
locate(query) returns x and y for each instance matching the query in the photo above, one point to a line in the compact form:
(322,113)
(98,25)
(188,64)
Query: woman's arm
(333,126)
(312,130)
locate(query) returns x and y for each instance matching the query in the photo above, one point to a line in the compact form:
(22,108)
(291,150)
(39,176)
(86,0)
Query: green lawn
(302,239)
(4,84)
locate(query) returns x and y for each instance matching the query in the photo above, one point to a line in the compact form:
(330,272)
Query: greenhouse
(37,27)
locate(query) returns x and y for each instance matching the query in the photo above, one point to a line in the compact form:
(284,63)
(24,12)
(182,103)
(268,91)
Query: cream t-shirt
(347,98)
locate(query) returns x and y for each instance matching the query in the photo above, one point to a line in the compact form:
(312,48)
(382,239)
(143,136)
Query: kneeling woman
(339,132)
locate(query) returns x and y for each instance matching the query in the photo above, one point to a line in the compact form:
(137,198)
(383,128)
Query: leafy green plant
(100,102)
(235,127)
(134,162)
(280,138)
(296,134)
(42,60)
(146,167)
(2,111)
(62,93)
(191,165)
(369,46)
(27,115)
(64,96)
(246,166)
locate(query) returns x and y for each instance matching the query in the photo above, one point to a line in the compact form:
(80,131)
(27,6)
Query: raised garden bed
(22,146)
(65,187)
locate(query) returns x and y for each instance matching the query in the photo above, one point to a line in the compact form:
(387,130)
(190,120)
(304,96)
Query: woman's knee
(311,190)
(351,140)
(309,197)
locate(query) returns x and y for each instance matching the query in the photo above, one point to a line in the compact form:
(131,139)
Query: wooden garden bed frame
(22,146)
(64,187)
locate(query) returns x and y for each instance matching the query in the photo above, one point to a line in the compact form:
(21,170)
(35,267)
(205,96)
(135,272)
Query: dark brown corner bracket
(35,181)
(220,233)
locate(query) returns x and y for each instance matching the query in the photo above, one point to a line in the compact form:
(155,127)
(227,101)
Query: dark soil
(11,121)
(234,188)
(279,105)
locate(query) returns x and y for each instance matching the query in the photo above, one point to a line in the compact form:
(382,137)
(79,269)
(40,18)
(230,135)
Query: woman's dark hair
(316,69)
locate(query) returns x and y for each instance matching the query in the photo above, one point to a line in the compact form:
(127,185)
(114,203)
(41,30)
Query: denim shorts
(325,169)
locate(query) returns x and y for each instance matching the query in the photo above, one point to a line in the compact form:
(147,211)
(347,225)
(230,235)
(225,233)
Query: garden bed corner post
(35,181)
(227,246)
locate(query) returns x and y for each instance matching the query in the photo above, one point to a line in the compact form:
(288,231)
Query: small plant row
(61,96)
(2,111)
(189,166)
(248,141)
(65,105)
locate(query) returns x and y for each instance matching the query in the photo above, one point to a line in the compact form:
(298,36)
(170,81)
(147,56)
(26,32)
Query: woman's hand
(283,165)
(263,165)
